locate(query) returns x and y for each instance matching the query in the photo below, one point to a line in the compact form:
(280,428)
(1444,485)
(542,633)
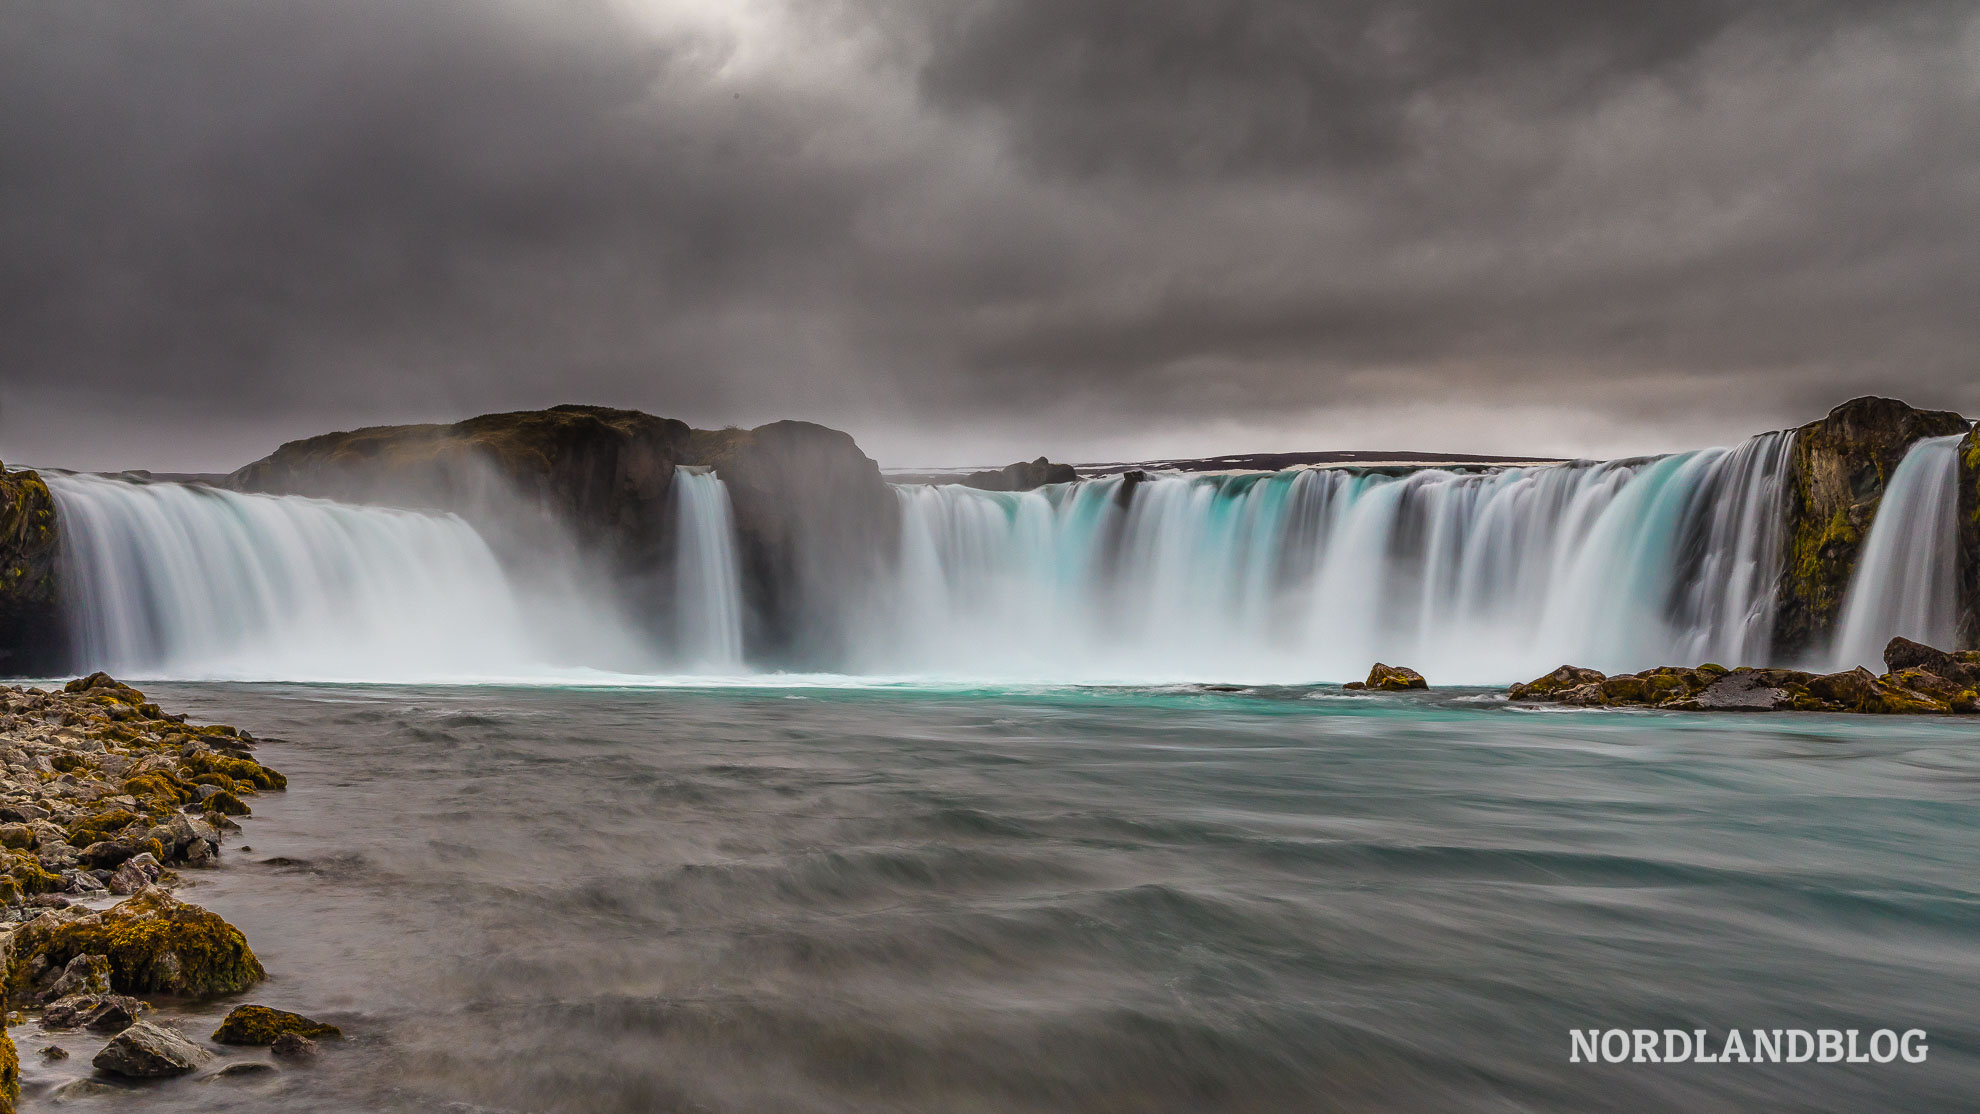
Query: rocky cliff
(814,519)
(31,629)
(815,524)
(1839,468)
(1022,476)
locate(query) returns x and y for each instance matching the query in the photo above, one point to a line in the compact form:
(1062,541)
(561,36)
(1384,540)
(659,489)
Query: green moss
(240,769)
(226,804)
(156,944)
(104,825)
(67,763)
(27,874)
(261,1025)
(10,1072)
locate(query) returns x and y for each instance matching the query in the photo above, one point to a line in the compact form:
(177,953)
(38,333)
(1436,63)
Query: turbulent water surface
(1082,900)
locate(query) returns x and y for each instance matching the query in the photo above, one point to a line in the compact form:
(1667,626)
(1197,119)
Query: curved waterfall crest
(1298,576)
(1311,574)
(190,581)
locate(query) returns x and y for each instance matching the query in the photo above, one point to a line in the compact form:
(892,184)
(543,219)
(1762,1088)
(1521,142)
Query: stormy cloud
(968,230)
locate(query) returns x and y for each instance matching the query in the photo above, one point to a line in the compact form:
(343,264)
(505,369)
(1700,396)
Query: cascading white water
(1906,580)
(187,581)
(1313,574)
(708,594)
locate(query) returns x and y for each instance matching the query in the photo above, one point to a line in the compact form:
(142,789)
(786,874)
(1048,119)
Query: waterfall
(1906,580)
(708,593)
(188,581)
(1312,574)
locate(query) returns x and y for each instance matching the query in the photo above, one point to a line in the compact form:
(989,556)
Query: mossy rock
(10,1073)
(1394,678)
(102,826)
(226,804)
(1559,681)
(239,769)
(1838,470)
(156,944)
(258,1025)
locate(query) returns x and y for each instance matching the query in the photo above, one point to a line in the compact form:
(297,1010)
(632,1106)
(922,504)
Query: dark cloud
(965,228)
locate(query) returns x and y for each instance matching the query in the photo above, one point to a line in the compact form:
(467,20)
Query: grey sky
(972,230)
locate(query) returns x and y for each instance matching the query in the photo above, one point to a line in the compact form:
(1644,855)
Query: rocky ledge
(1920,680)
(103,794)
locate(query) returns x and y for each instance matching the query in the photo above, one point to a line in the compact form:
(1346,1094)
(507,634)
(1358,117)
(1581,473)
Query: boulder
(1394,678)
(1838,469)
(32,641)
(1560,680)
(1022,476)
(261,1025)
(293,1046)
(1961,667)
(85,974)
(135,874)
(155,944)
(99,1013)
(148,1051)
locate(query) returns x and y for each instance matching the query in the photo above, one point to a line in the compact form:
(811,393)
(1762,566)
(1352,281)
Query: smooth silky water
(949,900)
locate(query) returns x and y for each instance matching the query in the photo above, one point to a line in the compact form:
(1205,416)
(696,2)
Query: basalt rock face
(605,475)
(815,525)
(813,516)
(31,630)
(1022,476)
(1839,470)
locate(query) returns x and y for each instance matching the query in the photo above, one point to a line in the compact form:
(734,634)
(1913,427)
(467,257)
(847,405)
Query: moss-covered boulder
(32,633)
(155,943)
(1560,680)
(258,1025)
(1839,468)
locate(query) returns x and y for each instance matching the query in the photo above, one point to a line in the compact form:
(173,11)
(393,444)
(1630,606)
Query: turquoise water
(1085,900)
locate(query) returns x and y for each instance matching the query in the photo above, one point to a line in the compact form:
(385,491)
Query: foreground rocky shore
(104,799)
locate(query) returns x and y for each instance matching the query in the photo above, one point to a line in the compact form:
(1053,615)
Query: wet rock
(253,1024)
(1560,680)
(32,642)
(99,1013)
(1961,668)
(18,836)
(85,974)
(245,1069)
(1394,678)
(52,1052)
(138,871)
(293,1046)
(1838,469)
(148,1051)
(155,943)
(109,854)
(80,1090)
